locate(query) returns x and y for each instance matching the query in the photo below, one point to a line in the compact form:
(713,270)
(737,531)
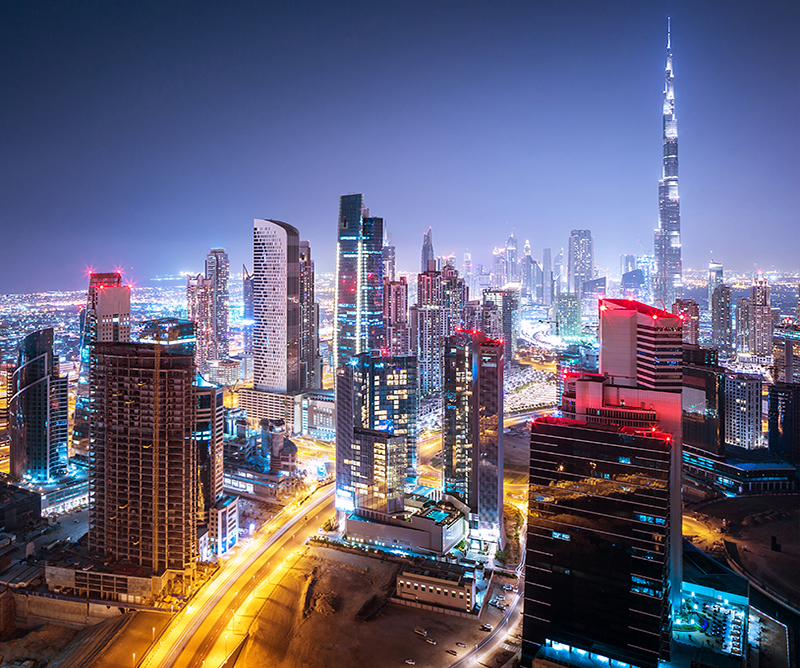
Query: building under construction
(144,470)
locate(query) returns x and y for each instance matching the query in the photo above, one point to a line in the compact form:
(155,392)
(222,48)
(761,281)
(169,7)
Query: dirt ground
(752,523)
(42,644)
(312,619)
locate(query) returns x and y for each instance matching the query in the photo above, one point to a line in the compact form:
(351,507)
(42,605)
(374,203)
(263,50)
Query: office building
(580,267)
(640,345)
(370,464)
(38,411)
(395,316)
(786,353)
(743,411)
(743,325)
(722,319)
(143,473)
(760,320)
(599,565)
(568,315)
(310,359)
(703,402)
(627,263)
(248,314)
(454,299)
(714,280)
(217,271)
(668,279)
(507,303)
(472,430)
(389,259)
(427,254)
(385,398)
(200,304)
(784,421)
(632,285)
(358,299)
(512,260)
(466,268)
(689,311)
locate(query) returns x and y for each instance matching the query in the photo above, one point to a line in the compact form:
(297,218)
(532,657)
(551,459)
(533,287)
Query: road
(199,633)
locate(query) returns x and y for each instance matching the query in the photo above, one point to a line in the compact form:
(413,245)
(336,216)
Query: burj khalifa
(668,283)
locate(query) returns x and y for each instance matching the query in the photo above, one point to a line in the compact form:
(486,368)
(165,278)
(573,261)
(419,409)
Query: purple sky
(139,134)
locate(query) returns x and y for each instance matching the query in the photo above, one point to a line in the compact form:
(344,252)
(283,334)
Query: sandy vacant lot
(311,620)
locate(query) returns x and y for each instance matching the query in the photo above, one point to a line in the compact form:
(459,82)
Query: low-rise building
(442,585)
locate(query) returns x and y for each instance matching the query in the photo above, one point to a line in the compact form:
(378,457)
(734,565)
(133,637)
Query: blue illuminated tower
(358,308)
(668,283)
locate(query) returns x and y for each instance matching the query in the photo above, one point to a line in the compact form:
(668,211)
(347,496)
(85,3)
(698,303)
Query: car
(411,662)
(452,651)
(460,644)
(486,627)
(430,641)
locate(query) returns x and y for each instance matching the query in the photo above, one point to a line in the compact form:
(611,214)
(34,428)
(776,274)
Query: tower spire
(669,34)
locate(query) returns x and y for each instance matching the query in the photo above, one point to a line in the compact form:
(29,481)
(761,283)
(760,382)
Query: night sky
(139,134)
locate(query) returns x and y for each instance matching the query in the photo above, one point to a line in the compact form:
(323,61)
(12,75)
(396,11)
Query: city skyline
(468,121)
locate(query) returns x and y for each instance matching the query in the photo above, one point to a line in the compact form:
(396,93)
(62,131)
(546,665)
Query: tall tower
(38,411)
(200,310)
(580,267)
(310,360)
(395,316)
(547,277)
(276,302)
(668,284)
(714,280)
(472,429)
(358,301)
(427,250)
(249,313)
(760,318)
(217,271)
(722,318)
(429,331)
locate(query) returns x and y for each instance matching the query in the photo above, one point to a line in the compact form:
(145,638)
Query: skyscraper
(568,314)
(760,332)
(248,313)
(276,302)
(743,325)
(143,473)
(580,267)
(472,429)
(722,319)
(395,315)
(427,254)
(217,271)
(743,410)
(599,559)
(37,410)
(385,398)
(714,280)
(689,311)
(200,307)
(512,260)
(627,263)
(668,283)
(429,329)
(358,300)
(547,277)
(389,259)
(507,303)
(310,360)
(784,421)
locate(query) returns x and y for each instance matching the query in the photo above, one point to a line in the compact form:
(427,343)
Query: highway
(198,635)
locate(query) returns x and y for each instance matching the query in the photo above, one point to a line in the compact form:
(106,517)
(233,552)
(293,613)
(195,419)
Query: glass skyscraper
(668,284)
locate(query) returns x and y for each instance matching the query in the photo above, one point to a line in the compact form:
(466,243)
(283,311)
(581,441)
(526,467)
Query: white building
(743,411)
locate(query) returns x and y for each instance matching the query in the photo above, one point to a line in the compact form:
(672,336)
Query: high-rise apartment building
(689,311)
(395,315)
(427,255)
(743,325)
(310,359)
(370,464)
(507,302)
(599,563)
(454,299)
(743,410)
(429,322)
(547,277)
(722,319)
(760,331)
(668,283)
(217,271)
(714,280)
(389,259)
(568,314)
(143,472)
(38,411)
(358,300)
(580,268)
(248,313)
(385,398)
(200,305)
(512,260)
(472,429)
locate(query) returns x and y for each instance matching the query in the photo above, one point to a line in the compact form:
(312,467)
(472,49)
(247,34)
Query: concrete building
(580,267)
(715,279)
(217,271)
(200,302)
(429,324)
(743,411)
(722,333)
(507,303)
(689,311)
(395,316)
(315,415)
(784,421)
(310,359)
(568,315)
(248,313)
(760,321)
(442,585)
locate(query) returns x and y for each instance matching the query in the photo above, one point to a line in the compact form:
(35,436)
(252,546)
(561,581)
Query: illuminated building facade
(598,569)
(760,321)
(715,279)
(689,309)
(38,411)
(429,331)
(784,421)
(668,280)
(385,398)
(722,319)
(395,316)
(568,315)
(199,300)
(218,271)
(743,410)
(580,267)
(427,255)
(703,402)
(507,302)
(248,314)
(310,360)
(358,299)
(472,429)
(547,277)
